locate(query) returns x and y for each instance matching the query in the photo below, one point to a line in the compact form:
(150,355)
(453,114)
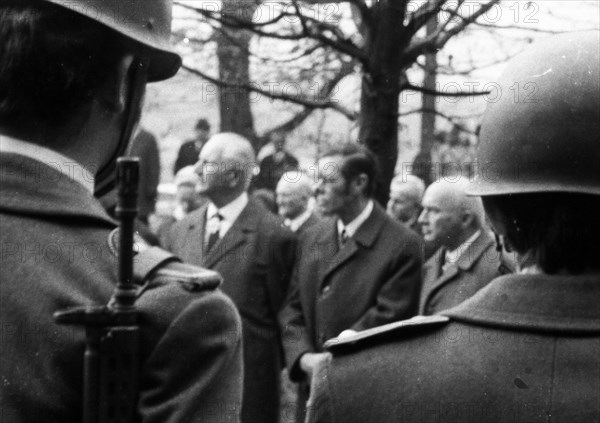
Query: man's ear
(467,218)
(115,91)
(360,183)
(234,178)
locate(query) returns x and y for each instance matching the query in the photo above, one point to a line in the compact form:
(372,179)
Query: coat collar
(432,282)
(30,187)
(465,261)
(546,303)
(246,223)
(365,237)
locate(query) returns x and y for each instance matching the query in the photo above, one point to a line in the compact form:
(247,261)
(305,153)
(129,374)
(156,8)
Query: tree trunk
(232,51)
(381,89)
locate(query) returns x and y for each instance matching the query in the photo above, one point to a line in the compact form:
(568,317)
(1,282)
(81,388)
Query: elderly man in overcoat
(467,259)
(235,235)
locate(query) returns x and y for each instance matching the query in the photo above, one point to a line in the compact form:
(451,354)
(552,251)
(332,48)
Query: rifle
(111,358)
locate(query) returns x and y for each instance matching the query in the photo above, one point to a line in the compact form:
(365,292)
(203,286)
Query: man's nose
(198,168)
(317,188)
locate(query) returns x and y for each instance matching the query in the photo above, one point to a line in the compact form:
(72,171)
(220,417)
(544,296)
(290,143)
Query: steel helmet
(147,22)
(543,132)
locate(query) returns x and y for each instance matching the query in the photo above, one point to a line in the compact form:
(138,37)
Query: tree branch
(423,14)
(316,29)
(409,86)
(303,101)
(454,120)
(442,35)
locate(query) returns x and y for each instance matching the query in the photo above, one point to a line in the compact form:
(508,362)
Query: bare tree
(386,39)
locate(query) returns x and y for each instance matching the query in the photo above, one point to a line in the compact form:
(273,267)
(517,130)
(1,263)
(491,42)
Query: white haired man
(294,191)
(253,251)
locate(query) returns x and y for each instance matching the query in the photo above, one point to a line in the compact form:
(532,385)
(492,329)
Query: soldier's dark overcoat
(56,255)
(526,348)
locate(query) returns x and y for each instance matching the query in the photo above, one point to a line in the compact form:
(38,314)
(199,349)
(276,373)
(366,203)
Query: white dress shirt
(295,223)
(454,255)
(353,226)
(229,213)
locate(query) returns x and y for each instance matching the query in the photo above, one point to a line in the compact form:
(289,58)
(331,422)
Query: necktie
(214,231)
(446,263)
(343,238)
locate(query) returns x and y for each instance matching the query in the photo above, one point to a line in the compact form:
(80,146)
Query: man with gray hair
(294,191)
(253,251)
(466,260)
(404,205)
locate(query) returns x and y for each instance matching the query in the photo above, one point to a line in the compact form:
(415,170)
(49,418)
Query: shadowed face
(292,199)
(402,207)
(278,140)
(332,190)
(212,169)
(202,136)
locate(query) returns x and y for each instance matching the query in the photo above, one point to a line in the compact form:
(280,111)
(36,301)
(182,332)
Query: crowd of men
(379,315)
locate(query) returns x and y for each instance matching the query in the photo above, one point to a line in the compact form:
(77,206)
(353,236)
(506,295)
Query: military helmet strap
(106,176)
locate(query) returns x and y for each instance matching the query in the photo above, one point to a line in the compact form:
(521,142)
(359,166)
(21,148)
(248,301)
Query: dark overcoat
(526,348)
(186,156)
(312,220)
(478,264)
(255,258)
(56,255)
(374,279)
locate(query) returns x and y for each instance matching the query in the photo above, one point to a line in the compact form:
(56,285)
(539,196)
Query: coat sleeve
(295,338)
(319,406)
(281,250)
(398,296)
(194,371)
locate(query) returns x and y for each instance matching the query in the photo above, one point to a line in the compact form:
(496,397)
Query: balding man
(467,259)
(254,253)
(404,205)
(294,191)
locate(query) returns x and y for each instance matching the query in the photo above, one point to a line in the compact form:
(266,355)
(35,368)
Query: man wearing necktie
(467,259)
(356,269)
(254,252)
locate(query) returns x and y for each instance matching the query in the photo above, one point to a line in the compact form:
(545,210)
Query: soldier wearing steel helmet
(527,346)
(72,78)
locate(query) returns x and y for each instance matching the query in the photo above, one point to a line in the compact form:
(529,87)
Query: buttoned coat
(524,348)
(56,255)
(255,258)
(374,279)
(476,266)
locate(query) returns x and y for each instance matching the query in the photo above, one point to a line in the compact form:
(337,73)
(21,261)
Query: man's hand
(346,334)
(308,362)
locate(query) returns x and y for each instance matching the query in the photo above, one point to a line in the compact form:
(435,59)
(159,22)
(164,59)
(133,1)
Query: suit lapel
(365,236)
(466,260)
(235,236)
